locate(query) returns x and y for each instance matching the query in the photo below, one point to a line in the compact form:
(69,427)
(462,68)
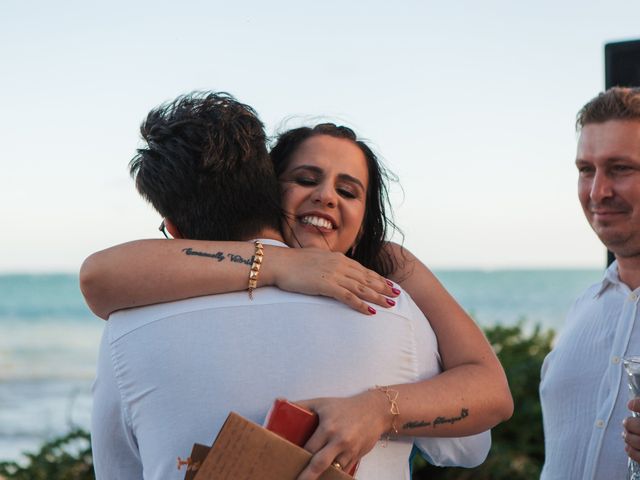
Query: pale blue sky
(471,103)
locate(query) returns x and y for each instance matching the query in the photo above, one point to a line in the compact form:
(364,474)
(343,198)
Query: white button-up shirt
(169,374)
(584,390)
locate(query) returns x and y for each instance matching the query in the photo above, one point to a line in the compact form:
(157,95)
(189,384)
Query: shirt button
(615,359)
(633,297)
(600,423)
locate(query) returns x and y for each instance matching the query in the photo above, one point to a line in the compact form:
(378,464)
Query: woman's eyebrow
(348,178)
(311,168)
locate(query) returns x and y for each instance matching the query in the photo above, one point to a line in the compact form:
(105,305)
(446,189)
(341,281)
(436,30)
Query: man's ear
(172,229)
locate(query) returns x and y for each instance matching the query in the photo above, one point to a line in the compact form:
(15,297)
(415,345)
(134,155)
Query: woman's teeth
(317,222)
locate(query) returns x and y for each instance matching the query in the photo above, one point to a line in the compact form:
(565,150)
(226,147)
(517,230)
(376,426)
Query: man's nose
(602,187)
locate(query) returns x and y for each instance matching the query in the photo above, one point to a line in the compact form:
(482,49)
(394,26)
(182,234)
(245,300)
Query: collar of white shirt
(611,278)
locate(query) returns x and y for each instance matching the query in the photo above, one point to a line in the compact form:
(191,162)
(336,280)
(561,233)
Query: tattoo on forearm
(238,259)
(464,413)
(189,251)
(220,256)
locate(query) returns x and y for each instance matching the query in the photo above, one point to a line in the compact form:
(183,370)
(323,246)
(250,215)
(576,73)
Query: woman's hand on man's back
(313,271)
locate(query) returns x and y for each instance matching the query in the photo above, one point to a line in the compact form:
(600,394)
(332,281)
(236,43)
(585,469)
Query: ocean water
(49,340)
(48,351)
(508,296)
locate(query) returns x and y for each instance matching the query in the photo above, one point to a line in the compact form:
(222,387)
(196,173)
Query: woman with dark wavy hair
(334,202)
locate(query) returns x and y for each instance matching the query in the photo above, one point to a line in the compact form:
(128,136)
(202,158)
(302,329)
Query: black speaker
(621,69)
(622,64)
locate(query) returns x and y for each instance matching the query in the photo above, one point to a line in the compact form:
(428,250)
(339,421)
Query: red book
(291,421)
(294,423)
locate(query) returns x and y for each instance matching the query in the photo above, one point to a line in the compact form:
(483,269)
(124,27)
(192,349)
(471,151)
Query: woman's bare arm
(144,272)
(470,364)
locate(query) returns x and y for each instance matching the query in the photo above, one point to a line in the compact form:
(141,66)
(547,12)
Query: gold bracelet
(255,267)
(392,396)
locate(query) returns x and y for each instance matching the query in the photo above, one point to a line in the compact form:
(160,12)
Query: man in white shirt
(583,389)
(169,374)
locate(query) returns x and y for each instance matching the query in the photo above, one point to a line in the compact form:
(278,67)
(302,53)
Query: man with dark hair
(583,390)
(205,153)
(169,374)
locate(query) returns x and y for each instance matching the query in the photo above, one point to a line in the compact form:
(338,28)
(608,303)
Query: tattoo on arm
(464,413)
(416,424)
(238,259)
(220,256)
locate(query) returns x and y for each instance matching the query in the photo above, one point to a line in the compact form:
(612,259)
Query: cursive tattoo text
(238,259)
(220,256)
(464,413)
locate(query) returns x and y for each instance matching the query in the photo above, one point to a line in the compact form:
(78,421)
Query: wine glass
(632,367)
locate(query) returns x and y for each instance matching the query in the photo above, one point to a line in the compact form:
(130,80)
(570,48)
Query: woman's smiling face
(324,191)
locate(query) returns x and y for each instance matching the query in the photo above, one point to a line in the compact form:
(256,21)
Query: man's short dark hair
(206,168)
(617,103)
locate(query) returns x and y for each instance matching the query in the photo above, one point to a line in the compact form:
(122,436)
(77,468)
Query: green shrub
(517,451)
(63,458)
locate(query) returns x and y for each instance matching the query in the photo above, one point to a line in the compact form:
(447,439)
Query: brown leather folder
(246,451)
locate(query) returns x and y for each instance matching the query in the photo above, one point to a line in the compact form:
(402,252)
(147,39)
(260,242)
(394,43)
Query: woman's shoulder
(395,249)
(405,264)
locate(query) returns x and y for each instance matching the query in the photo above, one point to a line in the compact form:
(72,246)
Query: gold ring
(337,465)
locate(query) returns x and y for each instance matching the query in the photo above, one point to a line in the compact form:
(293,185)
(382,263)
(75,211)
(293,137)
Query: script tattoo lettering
(464,413)
(238,259)
(218,255)
(416,424)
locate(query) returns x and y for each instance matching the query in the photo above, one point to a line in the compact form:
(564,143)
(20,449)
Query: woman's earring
(352,250)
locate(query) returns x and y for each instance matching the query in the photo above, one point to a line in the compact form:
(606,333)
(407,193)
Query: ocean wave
(25,298)
(49,350)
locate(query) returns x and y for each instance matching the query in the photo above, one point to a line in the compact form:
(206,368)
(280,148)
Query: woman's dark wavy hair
(369,251)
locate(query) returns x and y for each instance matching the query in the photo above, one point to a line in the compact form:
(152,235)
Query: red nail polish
(396,291)
(390,302)
(372,310)
(389,282)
